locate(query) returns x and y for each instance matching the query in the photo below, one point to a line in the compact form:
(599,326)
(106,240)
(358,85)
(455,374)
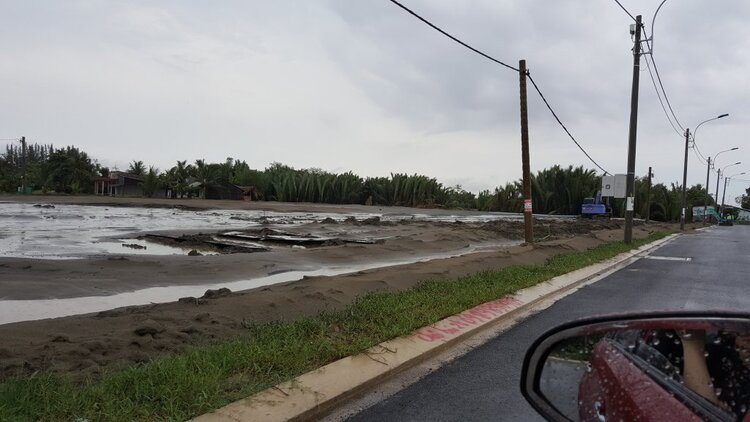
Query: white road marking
(668,258)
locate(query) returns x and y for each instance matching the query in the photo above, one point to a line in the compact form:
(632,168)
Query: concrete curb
(312,394)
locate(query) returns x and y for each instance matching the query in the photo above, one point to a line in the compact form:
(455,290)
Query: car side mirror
(658,366)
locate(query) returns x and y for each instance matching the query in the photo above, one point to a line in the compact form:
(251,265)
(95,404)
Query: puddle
(29,310)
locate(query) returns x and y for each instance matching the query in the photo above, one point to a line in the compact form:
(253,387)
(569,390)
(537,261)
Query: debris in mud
(44,206)
(194,252)
(214,293)
(192,300)
(328,220)
(205,241)
(133,246)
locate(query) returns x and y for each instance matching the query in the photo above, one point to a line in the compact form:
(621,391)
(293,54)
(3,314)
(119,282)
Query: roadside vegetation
(555,190)
(205,378)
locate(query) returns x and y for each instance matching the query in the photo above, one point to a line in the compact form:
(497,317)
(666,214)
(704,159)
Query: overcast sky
(361,85)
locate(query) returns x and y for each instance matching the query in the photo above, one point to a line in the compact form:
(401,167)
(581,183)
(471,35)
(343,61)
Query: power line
(431,25)
(699,157)
(658,95)
(658,77)
(695,147)
(487,56)
(563,126)
(623,8)
(10,139)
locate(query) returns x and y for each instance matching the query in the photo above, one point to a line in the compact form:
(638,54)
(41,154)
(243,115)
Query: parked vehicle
(593,207)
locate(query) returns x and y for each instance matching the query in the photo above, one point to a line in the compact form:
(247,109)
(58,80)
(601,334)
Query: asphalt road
(484,383)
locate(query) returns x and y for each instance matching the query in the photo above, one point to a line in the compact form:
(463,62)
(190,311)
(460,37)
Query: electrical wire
(699,157)
(10,139)
(563,126)
(658,95)
(623,8)
(658,77)
(431,25)
(695,147)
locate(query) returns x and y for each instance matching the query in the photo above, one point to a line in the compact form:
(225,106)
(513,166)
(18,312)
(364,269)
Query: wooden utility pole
(23,164)
(708,195)
(648,196)
(630,183)
(528,219)
(684,180)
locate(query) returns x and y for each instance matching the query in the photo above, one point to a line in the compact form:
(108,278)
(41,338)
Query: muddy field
(322,261)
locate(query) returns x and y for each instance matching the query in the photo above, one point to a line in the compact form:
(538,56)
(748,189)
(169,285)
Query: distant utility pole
(684,180)
(708,196)
(630,183)
(528,220)
(648,195)
(23,164)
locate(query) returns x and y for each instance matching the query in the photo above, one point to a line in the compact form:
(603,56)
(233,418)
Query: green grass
(205,378)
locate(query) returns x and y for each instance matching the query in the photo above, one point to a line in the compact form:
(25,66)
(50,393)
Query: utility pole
(528,220)
(721,209)
(708,196)
(23,164)
(648,195)
(718,179)
(684,180)
(630,184)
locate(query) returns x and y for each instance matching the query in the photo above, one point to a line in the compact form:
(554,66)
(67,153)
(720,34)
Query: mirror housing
(573,371)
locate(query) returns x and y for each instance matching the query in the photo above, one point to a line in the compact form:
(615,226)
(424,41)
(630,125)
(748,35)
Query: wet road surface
(484,384)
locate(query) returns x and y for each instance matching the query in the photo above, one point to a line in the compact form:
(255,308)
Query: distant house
(119,183)
(227,191)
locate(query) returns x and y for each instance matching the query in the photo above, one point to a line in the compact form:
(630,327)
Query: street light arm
(706,121)
(726,150)
(730,165)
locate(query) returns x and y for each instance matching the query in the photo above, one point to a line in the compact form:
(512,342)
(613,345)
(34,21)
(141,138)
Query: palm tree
(137,168)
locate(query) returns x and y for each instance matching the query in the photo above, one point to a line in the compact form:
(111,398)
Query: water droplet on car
(717,340)
(705,354)
(655,342)
(718,391)
(669,334)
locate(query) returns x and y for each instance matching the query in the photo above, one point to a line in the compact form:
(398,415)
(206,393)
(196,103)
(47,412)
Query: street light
(726,180)
(718,178)
(684,169)
(708,174)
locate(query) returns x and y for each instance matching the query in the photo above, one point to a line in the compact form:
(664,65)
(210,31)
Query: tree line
(555,190)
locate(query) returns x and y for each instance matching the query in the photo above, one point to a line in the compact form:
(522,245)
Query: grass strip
(207,377)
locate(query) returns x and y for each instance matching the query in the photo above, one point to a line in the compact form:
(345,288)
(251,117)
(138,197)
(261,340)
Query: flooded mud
(84,270)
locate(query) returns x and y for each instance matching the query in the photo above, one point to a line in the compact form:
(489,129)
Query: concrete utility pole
(708,196)
(718,178)
(684,180)
(723,195)
(23,164)
(648,196)
(528,219)
(630,184)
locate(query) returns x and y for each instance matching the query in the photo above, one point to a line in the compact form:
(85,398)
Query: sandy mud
(356,252)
